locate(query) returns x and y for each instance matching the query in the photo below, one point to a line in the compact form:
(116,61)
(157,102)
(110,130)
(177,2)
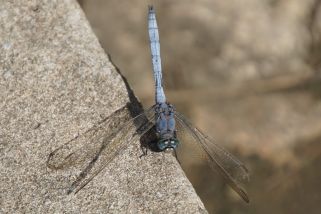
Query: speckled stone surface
(55,83)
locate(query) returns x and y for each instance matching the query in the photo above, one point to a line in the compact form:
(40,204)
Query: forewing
(100,144)
(220,160)
(84,146)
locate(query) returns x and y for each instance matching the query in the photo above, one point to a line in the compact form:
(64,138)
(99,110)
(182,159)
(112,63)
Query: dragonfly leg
(144,150)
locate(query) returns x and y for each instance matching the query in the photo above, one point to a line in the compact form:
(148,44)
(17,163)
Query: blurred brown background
(246,72)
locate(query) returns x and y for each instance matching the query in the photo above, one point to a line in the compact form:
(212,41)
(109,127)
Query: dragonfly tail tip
(151,8)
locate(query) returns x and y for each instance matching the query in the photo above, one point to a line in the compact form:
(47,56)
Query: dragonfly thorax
(165,126)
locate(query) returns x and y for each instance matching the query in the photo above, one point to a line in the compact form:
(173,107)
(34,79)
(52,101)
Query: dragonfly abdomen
(156,59)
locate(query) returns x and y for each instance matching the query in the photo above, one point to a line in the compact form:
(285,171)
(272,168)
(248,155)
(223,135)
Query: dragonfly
(99,145)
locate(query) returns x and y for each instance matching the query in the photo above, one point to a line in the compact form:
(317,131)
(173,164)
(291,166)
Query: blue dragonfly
(100,144)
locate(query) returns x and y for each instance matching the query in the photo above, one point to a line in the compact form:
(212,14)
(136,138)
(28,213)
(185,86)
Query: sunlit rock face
(57,86)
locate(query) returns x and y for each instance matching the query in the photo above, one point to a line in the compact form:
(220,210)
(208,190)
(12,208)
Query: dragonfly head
(167,144)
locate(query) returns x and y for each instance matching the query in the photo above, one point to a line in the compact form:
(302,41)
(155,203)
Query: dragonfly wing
(112,145)
(85,145)
(100,144)
(233,170)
